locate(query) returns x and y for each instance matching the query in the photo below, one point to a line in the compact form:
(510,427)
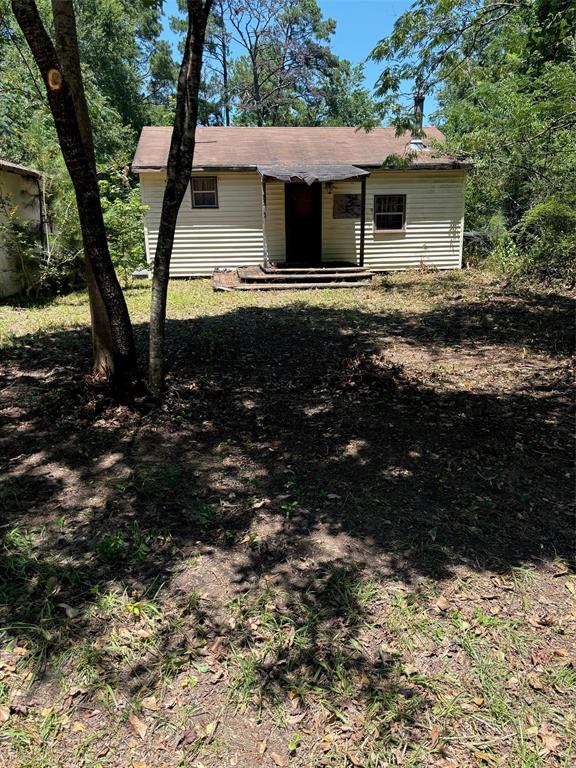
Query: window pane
(204,199)
(204,184)
(389,211)
(389,221)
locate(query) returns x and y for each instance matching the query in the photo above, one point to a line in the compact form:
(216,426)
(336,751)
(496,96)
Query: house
(21,195)
(307,197)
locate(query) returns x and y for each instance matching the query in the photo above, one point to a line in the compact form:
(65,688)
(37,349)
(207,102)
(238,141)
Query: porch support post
(362,219)
(264,216)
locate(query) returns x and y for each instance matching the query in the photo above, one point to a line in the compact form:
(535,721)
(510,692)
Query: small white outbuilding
(21,191)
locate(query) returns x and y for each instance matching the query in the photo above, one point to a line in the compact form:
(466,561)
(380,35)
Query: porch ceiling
(311,174)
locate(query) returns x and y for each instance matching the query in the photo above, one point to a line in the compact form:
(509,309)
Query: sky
(360,24)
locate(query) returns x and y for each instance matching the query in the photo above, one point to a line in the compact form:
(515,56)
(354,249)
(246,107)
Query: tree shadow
(290,434)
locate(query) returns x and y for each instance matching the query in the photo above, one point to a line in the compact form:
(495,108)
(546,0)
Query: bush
(123,214)
(546,235)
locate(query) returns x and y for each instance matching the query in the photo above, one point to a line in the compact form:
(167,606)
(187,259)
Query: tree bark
(179,168)
(61,74)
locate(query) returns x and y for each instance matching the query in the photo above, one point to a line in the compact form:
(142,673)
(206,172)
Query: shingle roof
(240,147)
(21,170)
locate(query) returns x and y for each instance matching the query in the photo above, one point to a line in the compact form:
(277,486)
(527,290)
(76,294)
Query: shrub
(123,214)
(546,235)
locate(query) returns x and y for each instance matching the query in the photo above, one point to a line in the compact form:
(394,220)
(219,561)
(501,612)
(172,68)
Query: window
(389,212)
(204,192)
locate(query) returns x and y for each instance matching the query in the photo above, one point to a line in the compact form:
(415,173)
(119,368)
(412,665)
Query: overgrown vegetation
(506,82)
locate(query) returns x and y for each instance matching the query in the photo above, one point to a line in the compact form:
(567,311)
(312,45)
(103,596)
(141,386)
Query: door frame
(316,252)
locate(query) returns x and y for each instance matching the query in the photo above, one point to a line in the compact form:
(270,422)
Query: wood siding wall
(434,222)
(231,235)
(227,236)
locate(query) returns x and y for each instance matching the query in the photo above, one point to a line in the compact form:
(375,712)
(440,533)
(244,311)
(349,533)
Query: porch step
(297,286)
(248,275)
(344,266)
(256,278)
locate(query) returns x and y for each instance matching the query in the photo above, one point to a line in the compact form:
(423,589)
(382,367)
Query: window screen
(204,192)
(389,211)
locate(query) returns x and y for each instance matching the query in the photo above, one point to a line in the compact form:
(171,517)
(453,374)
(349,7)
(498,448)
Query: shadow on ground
(295,442)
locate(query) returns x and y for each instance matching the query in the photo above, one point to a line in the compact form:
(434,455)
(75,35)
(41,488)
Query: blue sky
(360,24)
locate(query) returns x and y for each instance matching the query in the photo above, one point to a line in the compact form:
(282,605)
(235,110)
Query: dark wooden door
(304,224)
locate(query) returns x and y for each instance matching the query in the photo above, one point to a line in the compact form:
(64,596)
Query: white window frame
(195,192)
(402,213)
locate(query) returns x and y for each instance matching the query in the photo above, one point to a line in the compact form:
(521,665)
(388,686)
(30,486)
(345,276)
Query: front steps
(275,278)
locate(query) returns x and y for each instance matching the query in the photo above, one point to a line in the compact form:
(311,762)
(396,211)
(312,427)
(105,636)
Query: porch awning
(310,174)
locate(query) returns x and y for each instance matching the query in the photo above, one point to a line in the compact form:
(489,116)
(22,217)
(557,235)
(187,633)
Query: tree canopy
(505,78)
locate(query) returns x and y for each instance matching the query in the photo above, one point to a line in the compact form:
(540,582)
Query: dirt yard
(344,539)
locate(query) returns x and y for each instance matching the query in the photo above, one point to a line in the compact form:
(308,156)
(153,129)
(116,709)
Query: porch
(280,278)
(294,256)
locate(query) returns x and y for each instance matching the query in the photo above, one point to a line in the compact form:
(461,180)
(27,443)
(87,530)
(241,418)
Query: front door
(304,224)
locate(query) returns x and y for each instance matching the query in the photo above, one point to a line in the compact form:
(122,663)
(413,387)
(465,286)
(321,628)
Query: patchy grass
(345,539)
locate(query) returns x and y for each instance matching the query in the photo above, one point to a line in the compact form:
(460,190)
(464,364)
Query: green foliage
(547,235)
(21,240)
(129,78)
(505,75)
(283,73)
(123,213)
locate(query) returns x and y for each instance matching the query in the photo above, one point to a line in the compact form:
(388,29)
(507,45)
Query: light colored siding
(231,235)
(434,222)
(227,236)
(275,221)
(23,193)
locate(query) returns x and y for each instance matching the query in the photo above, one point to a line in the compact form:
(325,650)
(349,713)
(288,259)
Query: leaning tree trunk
(179,168)
(61,73)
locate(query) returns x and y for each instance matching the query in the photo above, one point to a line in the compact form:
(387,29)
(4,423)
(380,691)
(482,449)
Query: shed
(21,190)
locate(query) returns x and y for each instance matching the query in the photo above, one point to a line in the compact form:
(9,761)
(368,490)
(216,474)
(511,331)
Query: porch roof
(310,174)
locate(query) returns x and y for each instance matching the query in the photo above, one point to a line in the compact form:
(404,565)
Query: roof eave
(20,170)
(445,165)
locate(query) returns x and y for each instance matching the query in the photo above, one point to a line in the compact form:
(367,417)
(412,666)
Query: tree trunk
(225,85)
(102,348)
(180,159)
(67,102)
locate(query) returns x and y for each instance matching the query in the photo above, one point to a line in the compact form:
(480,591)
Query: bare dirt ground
(344,539)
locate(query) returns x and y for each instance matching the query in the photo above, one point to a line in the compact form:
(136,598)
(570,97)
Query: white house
(308,197)
(20,191)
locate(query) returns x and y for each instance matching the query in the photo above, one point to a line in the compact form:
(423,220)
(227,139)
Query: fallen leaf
(150,703)
(78,727)
(278,759)
(71,613)
(550,742)
(442,604)
(355,759)
(535,681)
(262,746)
(188,737)
(218,675)
(139,764)
(138,726)
(435,733)
(4,714)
